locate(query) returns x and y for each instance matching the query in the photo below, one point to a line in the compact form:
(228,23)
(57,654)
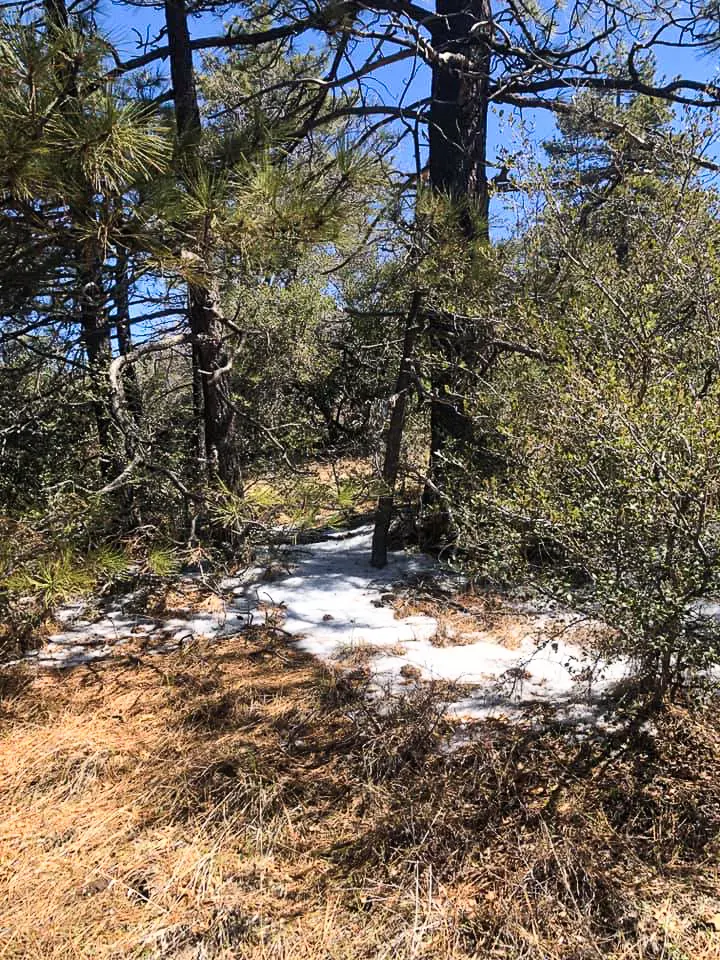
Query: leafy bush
(611,446)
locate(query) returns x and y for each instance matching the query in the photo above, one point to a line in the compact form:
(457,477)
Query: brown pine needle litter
(238,800)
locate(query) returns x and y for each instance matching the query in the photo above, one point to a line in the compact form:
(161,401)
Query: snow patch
(82,641)
(332,604)
(332,600)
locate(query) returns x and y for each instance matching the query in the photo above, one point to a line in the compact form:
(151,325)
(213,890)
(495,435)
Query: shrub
(611,446)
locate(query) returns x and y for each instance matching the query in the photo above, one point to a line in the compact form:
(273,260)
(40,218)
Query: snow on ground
(332,604)
(84,641)
(332,599)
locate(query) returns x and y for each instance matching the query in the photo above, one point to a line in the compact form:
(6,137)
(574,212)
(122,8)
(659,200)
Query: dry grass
(467,618)
(189,599)
(491,618)
(239,801)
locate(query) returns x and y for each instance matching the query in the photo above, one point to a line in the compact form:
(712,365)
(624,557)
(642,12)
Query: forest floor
(220,792)
(415,621)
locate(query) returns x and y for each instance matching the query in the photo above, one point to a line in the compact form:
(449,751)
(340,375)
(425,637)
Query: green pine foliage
(580,352)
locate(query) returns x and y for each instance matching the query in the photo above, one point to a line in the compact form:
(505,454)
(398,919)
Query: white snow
(328,599)
(332,604)
(83,641)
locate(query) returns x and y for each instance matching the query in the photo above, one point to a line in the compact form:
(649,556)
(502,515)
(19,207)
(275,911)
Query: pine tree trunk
(212,360)
(121,296)
(219,433)
(457,168)
(199,414)
(89,297)
(459,112)
(383,515)
(56,13)
(95,331)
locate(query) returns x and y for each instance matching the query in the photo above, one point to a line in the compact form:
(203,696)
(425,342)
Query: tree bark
(394,437)
(211,357)
(121,296)
(88,295)
(198,414)
(98,347)
(56,13)
(458,171)
(214,361)
(459,107)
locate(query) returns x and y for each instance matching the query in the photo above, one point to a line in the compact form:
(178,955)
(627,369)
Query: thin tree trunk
(129,503)
(98,347)
(198,413)
(89,295)
(394,437)
(211,357)
(121,296)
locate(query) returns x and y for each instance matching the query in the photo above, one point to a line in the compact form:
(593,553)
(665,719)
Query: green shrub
(610,491)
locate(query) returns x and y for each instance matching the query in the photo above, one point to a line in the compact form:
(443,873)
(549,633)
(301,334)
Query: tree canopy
(239,250)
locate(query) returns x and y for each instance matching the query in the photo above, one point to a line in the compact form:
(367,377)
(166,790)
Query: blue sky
(123,24)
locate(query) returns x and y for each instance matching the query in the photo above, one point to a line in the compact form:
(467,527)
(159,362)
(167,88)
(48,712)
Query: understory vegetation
(269,270)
